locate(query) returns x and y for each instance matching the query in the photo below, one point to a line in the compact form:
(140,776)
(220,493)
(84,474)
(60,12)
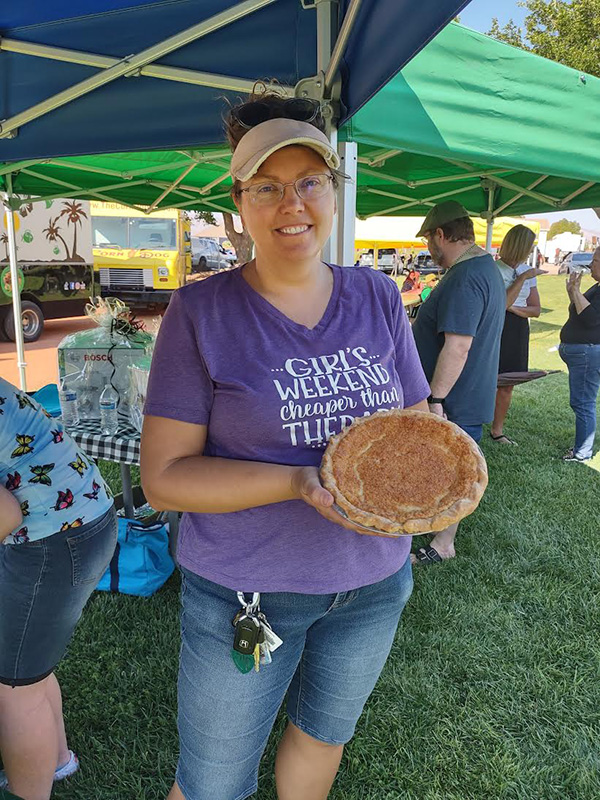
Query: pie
(404,472)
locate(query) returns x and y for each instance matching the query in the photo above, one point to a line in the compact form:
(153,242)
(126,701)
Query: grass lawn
(492,689)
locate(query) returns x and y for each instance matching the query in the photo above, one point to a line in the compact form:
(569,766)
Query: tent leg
(489,186)
(330,250)
(488,234)
(14,280)
(347,205)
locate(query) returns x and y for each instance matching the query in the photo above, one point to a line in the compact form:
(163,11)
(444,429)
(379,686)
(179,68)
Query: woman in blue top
(57,536)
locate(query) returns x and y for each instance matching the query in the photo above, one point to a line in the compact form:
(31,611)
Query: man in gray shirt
(458,331)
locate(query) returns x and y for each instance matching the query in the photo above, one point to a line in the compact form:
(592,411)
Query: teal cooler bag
(141,563)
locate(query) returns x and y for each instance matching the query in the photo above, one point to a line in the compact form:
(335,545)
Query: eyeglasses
(299,108)
(308,188)
(425,239)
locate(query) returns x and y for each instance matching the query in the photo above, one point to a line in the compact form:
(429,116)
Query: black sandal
(428,555)
(502,436)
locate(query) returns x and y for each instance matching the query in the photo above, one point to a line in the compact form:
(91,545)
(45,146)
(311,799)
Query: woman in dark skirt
(522,302)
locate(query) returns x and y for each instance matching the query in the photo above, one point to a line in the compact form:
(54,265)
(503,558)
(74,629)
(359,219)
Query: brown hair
(516,245)
(274,98)
(261,93)
(459,230)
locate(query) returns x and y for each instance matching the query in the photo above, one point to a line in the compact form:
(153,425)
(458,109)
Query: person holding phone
(522,304)
(580,350)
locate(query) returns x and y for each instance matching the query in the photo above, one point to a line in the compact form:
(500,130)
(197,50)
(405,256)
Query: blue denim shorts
(334,648)
(474,431)
(44,586)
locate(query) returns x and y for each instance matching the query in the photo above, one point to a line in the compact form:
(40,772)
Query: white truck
(56,273)
(69,250)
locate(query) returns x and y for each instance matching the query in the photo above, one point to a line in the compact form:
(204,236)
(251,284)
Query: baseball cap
(263,140)
(441,214)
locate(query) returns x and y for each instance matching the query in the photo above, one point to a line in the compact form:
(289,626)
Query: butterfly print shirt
(58,487)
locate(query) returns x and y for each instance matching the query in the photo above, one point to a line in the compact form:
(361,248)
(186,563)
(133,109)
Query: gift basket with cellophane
(106,354)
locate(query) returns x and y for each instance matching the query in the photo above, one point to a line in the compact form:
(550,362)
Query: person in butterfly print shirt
(57,536)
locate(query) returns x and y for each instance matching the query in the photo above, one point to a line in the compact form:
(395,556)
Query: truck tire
(201,267)
(33,322)
(3,336)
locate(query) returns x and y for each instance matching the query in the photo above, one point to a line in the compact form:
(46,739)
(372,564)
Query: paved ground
(41,355)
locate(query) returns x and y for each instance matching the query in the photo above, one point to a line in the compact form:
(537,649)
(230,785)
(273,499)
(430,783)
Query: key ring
(253,605)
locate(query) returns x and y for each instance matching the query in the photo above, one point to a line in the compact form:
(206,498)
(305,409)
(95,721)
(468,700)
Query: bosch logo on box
(97,357)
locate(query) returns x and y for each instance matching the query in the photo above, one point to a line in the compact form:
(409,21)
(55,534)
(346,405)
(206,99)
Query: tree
(510,33)
(201,216)
(564,225)
(566,31)
(242,242)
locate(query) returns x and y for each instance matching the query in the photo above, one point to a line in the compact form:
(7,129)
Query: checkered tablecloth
(123,447)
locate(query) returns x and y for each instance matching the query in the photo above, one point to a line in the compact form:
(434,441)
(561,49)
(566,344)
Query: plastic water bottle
(109,418)
(68,405)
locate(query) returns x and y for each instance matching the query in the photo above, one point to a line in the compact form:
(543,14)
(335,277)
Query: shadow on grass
(539,326)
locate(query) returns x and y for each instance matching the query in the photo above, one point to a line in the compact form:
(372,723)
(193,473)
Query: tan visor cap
(263,140)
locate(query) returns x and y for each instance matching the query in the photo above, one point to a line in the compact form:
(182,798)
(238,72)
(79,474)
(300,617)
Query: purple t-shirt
(271,390)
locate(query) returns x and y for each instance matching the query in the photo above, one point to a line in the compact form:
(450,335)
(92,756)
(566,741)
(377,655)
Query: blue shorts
(334,648)
(474,431)
(44,586)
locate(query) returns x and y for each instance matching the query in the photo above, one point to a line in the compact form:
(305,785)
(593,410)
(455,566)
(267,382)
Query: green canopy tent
(497,128)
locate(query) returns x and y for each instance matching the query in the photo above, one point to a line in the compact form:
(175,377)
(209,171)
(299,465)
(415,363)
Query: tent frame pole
(490,187)
(347,205)
(519,195)
(130,65)
(419,201)
(340,44)
(174,74)
(326,27)
(14,282)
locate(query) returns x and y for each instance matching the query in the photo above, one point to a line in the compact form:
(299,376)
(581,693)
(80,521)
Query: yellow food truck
(140,258)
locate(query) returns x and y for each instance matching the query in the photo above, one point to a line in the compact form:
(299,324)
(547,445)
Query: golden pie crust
(404,472)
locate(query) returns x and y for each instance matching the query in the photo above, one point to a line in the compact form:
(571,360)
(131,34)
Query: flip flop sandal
(498,439)
(428,555)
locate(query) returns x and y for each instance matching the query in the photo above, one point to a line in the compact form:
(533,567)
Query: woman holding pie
(254,370)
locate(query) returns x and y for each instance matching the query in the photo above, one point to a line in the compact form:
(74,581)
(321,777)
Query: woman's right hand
(534,272)
(307,486)
(573,283)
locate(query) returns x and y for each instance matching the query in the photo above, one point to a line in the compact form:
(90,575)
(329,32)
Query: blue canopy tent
(128,75)
(120,75)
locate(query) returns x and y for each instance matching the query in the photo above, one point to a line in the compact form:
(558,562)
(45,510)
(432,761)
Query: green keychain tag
(243,662)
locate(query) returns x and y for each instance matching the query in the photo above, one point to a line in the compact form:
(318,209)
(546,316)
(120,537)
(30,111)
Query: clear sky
(478,15)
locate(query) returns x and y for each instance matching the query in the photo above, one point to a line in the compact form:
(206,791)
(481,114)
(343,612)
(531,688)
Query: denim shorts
(474,431)
(44,586)
(334,648)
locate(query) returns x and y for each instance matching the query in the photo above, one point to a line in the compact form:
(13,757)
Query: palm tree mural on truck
(4,240)
(74,213)
(52,234)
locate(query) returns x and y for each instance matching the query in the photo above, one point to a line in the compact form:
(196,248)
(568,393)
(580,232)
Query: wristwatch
(431,400)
